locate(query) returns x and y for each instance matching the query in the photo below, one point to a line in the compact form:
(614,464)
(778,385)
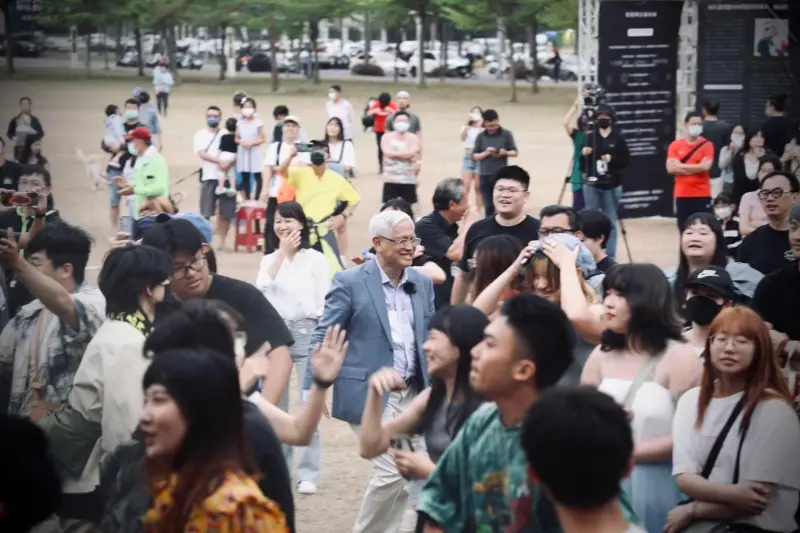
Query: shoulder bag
(693,151)
(200,170)
(645,373)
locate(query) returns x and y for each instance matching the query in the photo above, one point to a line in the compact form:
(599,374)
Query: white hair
(382,224)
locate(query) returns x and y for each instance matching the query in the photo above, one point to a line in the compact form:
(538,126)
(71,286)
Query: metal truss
(588,41)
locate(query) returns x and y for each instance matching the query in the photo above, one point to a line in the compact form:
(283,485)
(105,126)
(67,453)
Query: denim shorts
(113,189)
(468,164)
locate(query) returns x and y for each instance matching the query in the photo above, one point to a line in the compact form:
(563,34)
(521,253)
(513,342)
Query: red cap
(139,133)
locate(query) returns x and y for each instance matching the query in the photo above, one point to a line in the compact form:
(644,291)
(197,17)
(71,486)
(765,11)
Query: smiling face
(162,423)
(698,242)
(290,129)
(285,226)
(442,356)
(731,354)
(397,250)
(616,311)
(509,197)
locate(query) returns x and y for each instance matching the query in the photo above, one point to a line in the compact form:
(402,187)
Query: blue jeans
(311,456)
(606,200)
(653,493)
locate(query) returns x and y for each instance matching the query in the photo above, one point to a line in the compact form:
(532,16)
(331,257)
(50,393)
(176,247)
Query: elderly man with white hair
(385,306)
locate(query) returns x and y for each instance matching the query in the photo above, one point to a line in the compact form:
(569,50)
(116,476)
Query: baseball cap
(403,94)
(292,118)
(714,278)
(197,220)
(139,133)
(794,214)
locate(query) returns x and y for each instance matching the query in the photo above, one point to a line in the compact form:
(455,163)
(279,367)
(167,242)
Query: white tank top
(653,407)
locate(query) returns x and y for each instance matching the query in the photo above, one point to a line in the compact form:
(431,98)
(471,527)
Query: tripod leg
(624,234)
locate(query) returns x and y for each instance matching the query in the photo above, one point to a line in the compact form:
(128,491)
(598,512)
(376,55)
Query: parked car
(190,61)
(258,62)
(459,66)
(128,59)
(387,62)
(23,47)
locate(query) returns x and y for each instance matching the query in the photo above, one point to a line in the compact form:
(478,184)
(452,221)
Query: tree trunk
(273,53)
(222,56)
(171,45)
(137,35)
(106,66)
(367,33)
(421,49)
(443,37)
(511,32)
(314,38)
(5,7)
(88,54)
(118,47)
(395,74)
(532,31)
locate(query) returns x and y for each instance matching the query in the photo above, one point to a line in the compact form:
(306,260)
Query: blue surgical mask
(131,114)
(212,122)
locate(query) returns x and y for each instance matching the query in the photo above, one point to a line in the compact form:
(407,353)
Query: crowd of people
(501,371)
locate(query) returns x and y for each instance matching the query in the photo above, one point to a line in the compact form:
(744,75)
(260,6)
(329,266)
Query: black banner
(745,55)
(638,63)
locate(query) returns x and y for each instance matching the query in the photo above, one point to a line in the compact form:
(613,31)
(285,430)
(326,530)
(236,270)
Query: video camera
(593,96)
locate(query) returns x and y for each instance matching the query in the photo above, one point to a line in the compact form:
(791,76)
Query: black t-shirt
(719,133)
(437,236)
(227,143)
(526,231)
(263,323)
(777,300)
(777,132)
(767,250)
(125,155)
(10,173)
(275,481)
(605,264)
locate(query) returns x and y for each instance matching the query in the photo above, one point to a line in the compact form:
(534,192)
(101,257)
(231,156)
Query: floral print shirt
(236,506)
(37,347)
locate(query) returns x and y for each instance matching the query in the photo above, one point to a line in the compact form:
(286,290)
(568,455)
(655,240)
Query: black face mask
(701,310)
(604,122)
(317,158)
(611,340)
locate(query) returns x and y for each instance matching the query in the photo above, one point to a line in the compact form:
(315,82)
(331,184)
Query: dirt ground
(71,111)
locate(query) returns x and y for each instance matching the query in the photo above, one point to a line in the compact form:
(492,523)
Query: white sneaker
(306,487)
(230,192)
(219,191)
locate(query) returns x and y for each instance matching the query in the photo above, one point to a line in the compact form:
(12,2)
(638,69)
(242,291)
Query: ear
(65,270)
(376,241)
(579,234)
(524,370)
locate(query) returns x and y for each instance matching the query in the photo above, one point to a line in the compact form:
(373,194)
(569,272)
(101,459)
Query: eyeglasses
(403,242)
(508,190)
(180,272)
(544,232)
(721,340)
(775,193)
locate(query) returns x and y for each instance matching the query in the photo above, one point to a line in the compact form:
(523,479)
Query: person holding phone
(295,280)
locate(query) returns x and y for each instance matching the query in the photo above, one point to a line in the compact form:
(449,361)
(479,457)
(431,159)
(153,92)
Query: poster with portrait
(771,37)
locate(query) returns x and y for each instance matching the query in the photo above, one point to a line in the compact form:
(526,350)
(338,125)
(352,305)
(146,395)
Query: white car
(433,60)
(388,63)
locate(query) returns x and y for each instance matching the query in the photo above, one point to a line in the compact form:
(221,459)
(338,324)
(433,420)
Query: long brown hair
(764,377)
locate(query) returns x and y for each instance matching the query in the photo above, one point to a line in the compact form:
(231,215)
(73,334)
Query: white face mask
(737,139)
(132,149)
(248,112)
(477,116)
(723,212)
(401,126)
(695,130)
(331,95)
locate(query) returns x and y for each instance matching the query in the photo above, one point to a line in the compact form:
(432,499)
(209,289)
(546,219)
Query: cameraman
(603,158)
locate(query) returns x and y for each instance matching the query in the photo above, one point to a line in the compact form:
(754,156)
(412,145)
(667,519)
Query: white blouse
(769,452)
(343,152)
(298,291)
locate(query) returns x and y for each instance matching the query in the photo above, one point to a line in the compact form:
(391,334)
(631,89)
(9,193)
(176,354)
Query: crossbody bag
(200,170)
(693,151)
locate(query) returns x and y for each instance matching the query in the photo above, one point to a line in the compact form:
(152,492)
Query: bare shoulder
(680,354)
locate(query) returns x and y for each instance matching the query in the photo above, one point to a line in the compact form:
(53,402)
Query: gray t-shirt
(415,124)
(719,133)
(502,139)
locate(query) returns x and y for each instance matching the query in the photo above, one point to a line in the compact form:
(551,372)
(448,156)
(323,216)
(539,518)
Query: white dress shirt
(298,291)
(343,110)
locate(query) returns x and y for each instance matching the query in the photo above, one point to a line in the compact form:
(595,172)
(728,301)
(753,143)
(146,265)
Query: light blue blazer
(356,302)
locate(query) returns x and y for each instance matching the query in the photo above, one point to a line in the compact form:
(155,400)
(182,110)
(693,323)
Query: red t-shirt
(380,117)
(692,185)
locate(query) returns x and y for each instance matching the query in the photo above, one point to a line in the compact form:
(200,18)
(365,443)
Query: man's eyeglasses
(545,232)
(404,242)
(775,193)
(508,190)
(180,272)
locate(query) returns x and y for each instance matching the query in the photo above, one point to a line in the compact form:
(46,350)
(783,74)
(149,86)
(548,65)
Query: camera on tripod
(593,96)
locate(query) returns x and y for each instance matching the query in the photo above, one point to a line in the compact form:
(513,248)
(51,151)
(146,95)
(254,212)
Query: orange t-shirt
(692,185)
(380,118)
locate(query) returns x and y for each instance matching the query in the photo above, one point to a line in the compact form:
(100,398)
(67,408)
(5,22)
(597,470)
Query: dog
(95,168)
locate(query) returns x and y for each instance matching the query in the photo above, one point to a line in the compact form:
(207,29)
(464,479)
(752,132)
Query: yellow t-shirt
(319,195)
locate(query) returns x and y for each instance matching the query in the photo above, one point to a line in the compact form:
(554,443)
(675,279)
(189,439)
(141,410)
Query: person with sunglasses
(767,248)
